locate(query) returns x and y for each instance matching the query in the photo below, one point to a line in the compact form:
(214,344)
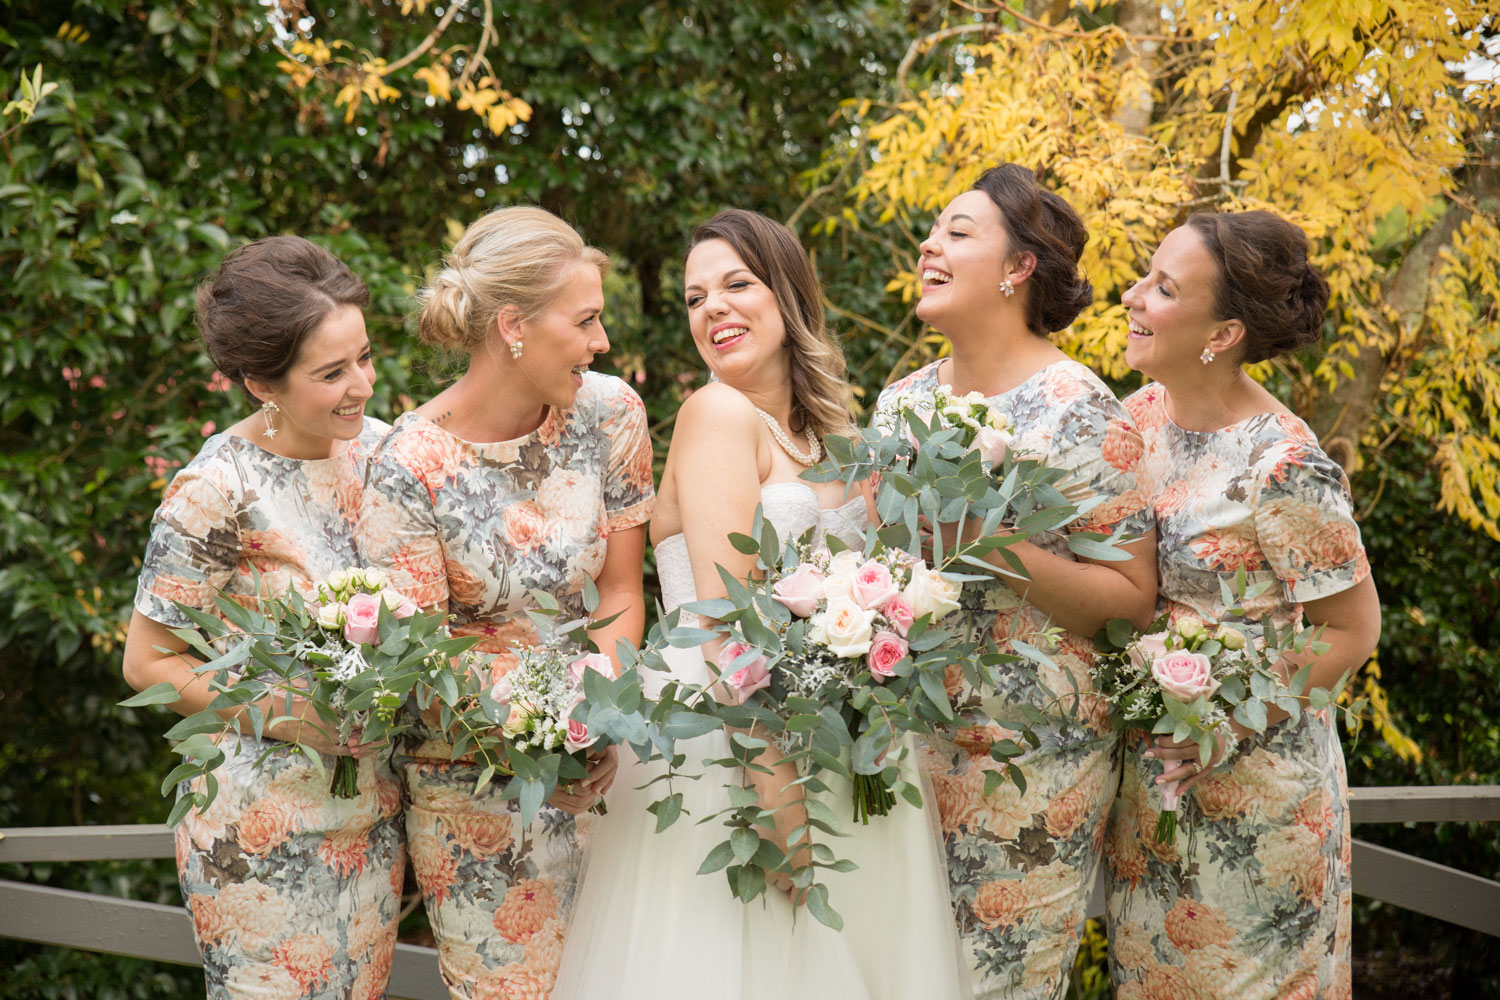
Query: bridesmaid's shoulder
(604,396)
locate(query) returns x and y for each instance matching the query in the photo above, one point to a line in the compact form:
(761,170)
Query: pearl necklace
(809,457)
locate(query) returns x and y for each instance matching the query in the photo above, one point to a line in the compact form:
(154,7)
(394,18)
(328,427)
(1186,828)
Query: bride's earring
(269,409)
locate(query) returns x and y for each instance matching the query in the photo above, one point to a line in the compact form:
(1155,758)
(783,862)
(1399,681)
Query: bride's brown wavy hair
(775,256)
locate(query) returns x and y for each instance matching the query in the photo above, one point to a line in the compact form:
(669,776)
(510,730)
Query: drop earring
(1206,356)
(269,409)
(1007,288)
(515,349)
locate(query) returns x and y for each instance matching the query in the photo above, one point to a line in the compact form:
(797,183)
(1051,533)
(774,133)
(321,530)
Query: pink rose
(361,615)
(899,611)
(1148,649)
(991,445)
(801,591)
(501,690)
(873,586)
(591,661)
(886,650)
(1184,675)
(578,736)
(747,679)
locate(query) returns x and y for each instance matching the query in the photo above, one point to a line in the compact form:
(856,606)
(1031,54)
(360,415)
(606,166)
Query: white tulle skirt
(646,925)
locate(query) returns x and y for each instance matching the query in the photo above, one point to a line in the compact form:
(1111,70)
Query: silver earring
(1206,356)
(1007,288)
(269,409)
(515,349)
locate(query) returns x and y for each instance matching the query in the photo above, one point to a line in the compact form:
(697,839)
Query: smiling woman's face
(963,262)
(1172,307)
(734,317)
(560,342)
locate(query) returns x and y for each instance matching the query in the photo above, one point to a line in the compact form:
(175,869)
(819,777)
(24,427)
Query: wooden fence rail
(30,912)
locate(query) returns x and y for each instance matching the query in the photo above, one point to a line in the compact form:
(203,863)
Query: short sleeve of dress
(1097,443)
(629,496)
(398,530)
(194,546)
(1304,521)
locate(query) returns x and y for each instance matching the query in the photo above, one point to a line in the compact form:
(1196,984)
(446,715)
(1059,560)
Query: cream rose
(930,593)
(847,628)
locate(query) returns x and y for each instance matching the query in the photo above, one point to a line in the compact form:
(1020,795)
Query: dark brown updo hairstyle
(256,310)
(773,254)
(1040,223)
(1264,280)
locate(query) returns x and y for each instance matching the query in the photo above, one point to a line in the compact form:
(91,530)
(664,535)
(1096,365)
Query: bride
(645,924)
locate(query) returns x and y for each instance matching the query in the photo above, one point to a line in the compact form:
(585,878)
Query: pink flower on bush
(873,586)
(747,679)
(800,591)
(361,615)
(1184,675)
(886,650)
(899,611)
(591,661)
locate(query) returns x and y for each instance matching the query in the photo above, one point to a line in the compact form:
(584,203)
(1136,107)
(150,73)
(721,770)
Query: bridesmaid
(528,473)
(999,273)
(1252,900)
(292,891)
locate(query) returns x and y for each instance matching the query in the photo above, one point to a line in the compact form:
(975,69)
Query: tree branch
(430,40)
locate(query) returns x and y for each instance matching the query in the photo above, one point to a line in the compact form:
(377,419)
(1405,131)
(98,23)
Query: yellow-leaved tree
(1371,125)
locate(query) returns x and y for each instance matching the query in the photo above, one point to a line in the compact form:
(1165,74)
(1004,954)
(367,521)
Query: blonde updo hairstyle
(519,256)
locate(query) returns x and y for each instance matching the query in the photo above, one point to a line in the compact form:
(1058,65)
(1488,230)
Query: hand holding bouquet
(351,655)
(1190,681)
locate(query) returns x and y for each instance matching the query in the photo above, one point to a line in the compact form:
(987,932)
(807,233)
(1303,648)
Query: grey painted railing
(46,915)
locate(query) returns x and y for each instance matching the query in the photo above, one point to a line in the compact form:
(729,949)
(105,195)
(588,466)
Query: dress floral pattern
(1253,898)
(293,892)
(1021,865)
(474,528)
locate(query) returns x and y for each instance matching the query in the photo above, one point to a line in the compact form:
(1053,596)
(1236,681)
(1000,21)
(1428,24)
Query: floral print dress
(293,892)
(474,528)
(1021,865)
(1253,898)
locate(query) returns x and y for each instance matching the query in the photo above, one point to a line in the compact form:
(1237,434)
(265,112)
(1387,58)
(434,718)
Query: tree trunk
(1138,17)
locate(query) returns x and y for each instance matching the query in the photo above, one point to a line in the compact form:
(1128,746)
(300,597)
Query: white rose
(374,578)
(848,628)
(929,593)
(975,398)
(340,579)
(331,616)
(998,421)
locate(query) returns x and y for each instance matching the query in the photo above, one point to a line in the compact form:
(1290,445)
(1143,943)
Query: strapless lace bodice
(791,507)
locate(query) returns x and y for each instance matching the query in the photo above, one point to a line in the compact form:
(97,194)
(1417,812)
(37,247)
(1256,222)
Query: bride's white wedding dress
(646,925)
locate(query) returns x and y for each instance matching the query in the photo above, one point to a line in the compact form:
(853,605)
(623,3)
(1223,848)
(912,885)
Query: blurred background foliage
(159,135)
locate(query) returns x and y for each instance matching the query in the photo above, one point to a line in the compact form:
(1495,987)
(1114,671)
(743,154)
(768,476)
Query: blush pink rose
(800,591)
(500,691)
(886,650)
(747,679)
(361,615)
(873,586)
(591,661)
(899,611)
(992,444)
(1184,675)
(1148,649)
(579,737)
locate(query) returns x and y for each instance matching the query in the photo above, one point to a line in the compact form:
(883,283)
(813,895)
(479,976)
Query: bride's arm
(715,463)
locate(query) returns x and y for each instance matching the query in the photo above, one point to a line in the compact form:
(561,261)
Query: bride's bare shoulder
(718,406)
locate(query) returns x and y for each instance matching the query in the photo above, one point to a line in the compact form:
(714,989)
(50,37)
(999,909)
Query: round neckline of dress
(1167,416)
(341,453)
(546,424)
(937,380)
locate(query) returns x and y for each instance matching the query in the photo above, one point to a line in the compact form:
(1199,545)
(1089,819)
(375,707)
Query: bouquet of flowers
(980,429)
(1188,680)
(354,652)
(539,722)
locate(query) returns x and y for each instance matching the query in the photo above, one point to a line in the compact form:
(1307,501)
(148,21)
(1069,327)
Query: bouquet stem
(1166,822)
(345,783)
(871,797)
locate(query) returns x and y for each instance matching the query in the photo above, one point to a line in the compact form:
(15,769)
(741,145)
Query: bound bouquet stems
(871,797)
